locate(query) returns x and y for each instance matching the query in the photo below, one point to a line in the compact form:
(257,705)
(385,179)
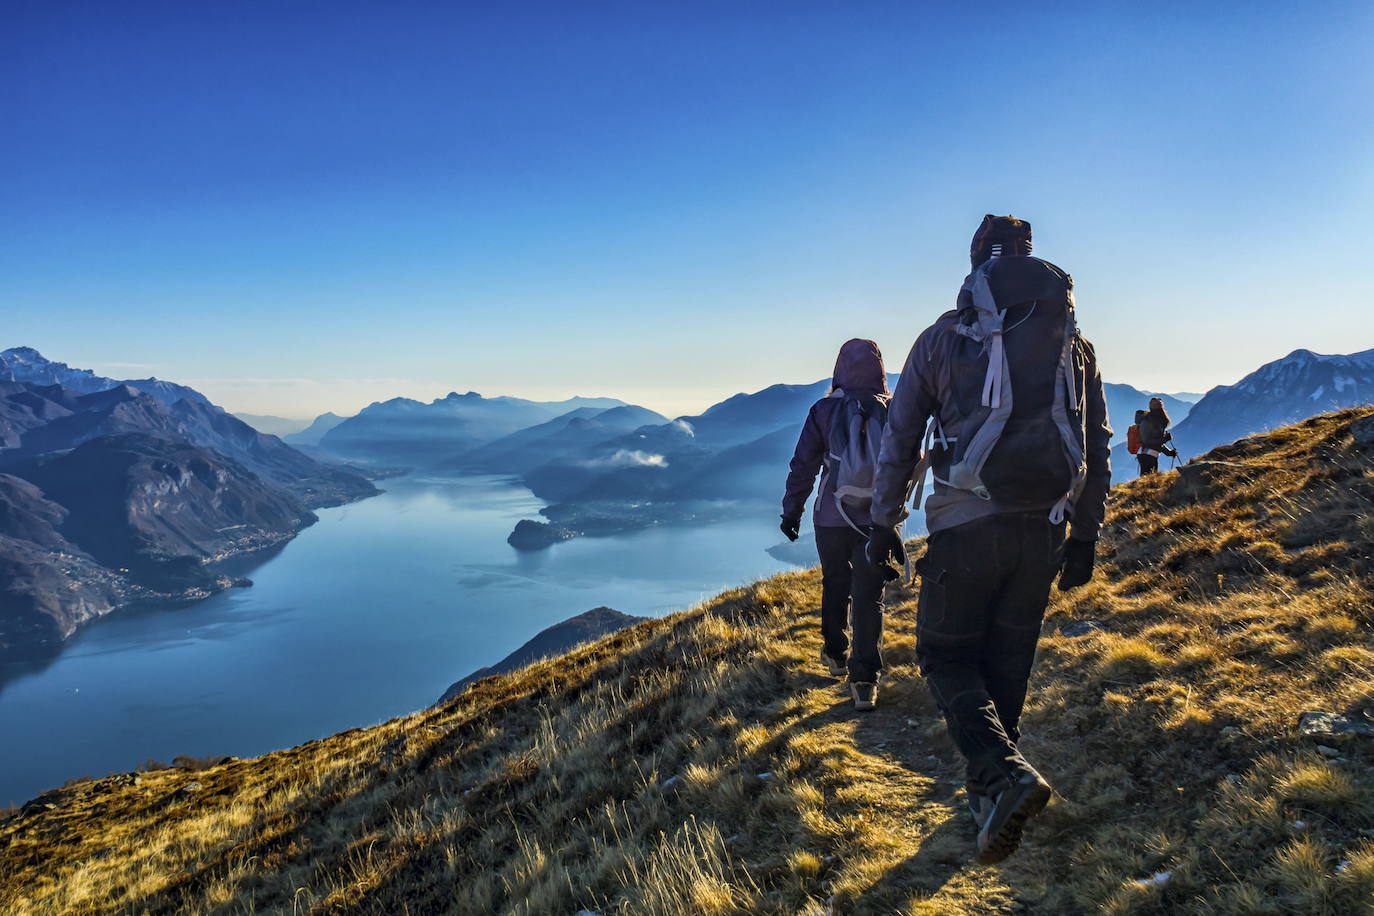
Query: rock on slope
(702,763)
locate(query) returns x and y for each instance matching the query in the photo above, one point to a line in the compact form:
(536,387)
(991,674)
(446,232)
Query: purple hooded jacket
(858,372)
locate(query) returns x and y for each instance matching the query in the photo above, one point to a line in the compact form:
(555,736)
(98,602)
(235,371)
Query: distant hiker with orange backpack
(1008,398)
(1151,437)
(840,439)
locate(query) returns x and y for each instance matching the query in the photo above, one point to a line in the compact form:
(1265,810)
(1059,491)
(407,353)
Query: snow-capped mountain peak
(1286,390)
(25,364)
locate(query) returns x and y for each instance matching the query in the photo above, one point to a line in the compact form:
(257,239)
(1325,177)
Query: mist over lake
(372,612)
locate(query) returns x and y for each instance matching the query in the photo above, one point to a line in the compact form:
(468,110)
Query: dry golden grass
(703,763)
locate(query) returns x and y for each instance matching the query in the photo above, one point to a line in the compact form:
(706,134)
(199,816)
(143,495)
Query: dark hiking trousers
(984,587)
(1148,463)
(851,589)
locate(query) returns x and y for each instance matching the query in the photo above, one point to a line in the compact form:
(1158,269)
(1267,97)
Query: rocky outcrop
(532,535)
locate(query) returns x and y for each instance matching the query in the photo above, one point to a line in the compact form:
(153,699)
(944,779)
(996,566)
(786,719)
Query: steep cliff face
(48,586)
(159,507)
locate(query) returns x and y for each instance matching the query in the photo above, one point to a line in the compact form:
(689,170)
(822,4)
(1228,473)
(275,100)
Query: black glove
(886,552)
(1077,568)
(791,527)
(1171,452)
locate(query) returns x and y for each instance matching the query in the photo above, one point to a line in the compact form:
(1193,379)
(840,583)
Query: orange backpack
(1133,439)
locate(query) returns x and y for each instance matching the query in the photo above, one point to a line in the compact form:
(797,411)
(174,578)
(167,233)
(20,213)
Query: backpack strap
(1069,413)
(935,435)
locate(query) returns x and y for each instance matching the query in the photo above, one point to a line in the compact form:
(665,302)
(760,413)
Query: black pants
(851,589)
(984,587)
(1148,463)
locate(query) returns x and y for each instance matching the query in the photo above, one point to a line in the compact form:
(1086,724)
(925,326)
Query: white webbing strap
(990,319)
(935,435)
(993,382)
(839,504)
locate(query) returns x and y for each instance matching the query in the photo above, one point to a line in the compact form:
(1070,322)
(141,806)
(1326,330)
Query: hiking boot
(980,806)
(834,666)
(865,695)
(1001,832)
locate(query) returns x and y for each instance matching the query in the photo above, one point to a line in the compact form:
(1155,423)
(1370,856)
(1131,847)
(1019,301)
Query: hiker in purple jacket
(851,588)
(1007,397)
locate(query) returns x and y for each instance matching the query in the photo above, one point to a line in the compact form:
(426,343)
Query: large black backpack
(1014,431)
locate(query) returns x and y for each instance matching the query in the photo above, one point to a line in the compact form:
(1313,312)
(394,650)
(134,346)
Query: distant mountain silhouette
(575,430)
(731,447)
(313,433)
(405,431)
(273,426)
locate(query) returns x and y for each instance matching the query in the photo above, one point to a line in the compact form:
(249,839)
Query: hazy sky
(299,207)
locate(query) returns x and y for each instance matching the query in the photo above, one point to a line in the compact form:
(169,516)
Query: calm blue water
(371,613)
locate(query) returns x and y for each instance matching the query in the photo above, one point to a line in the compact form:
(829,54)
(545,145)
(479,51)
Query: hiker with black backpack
(1007,395)
(1153,436)
(840,439)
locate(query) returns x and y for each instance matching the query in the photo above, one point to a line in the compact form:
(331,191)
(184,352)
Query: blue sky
(300,207)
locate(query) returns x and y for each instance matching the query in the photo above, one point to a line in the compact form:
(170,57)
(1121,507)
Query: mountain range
(411,432)
(116,491)
(128,494)
(25,364)
(1293,388)
(737,451)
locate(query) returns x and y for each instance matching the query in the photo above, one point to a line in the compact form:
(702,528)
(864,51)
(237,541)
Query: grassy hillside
(703,764)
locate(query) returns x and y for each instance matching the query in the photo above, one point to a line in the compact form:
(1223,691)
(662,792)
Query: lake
(371,613)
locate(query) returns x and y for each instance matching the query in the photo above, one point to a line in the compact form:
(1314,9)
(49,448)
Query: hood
(859,367)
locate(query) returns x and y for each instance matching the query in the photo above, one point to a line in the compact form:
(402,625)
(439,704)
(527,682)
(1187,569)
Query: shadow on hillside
(939,858)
